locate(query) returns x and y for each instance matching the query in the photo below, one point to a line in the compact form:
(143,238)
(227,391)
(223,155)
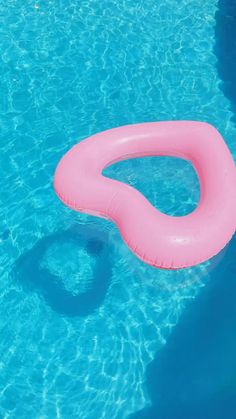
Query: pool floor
(87,330)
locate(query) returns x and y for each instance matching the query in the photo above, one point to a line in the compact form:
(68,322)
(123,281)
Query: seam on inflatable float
(153,262)
(170,265)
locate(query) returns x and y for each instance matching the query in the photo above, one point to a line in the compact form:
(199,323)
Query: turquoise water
(83,322)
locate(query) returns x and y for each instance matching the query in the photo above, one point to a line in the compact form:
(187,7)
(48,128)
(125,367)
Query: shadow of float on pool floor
(194,375)
(33,276)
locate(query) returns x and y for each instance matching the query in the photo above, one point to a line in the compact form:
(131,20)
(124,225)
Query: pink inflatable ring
(158,239)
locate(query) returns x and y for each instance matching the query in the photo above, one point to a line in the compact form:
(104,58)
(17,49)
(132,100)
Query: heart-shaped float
(158,239)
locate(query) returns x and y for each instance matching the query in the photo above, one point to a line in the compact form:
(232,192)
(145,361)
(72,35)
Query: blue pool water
(87,330)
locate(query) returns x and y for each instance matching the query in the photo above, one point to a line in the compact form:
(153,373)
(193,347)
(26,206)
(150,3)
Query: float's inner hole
(173,186)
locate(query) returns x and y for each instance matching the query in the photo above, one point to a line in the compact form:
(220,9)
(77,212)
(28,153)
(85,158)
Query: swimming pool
(81,318)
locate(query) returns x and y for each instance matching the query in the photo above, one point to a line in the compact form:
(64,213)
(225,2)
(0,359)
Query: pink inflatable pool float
(158,239)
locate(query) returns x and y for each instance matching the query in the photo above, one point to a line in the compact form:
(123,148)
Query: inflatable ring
(158,239)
